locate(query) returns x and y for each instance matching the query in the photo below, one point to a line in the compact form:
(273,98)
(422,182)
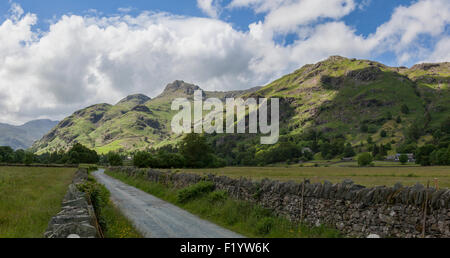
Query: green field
(367,176)
(29,198)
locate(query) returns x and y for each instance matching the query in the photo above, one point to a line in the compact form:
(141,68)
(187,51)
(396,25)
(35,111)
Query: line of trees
(76,155)
(240,150)
(193,152)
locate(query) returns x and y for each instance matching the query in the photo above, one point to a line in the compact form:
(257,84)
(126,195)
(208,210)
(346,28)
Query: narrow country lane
(156,218)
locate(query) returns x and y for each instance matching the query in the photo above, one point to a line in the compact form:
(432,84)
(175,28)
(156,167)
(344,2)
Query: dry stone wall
(355,210)
(77,217)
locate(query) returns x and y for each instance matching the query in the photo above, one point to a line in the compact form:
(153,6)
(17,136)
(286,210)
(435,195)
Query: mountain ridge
(335,96)
(23,136)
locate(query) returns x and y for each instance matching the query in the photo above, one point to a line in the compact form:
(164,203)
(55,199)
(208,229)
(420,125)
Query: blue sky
(365,19)
(76,53)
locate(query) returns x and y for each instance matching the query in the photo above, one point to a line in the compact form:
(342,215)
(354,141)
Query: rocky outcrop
(355,210)
(77,218)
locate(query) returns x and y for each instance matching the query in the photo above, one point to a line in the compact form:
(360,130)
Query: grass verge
(239,216)
(111,220)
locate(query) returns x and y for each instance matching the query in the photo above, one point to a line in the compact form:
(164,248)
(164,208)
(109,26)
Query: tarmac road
(156,218)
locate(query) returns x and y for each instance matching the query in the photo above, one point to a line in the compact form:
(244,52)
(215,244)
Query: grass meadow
(367,176)
(29,198)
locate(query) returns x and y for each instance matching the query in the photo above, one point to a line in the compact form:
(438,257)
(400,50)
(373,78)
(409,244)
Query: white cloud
(125,9)
(82,60)
(441,51)
(209,7)
(364,4)
(407,24)
(285,16)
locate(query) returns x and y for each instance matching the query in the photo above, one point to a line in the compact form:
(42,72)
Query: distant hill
(338,97)
(23,136)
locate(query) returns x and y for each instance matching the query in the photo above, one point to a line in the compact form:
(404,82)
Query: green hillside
(136,122)
(338,97)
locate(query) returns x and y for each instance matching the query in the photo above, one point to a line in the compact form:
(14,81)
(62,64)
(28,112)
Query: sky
(58,56)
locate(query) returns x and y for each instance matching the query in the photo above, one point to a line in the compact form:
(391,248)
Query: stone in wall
(77,217)
(353,209)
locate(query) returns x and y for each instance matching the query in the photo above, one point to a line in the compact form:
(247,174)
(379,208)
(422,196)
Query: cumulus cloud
(82,60)
(441,52)
(209,7)
(86,60)
(408,23)
(285,18)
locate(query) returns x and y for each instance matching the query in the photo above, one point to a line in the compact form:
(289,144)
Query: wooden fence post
(425,211)
(303,201)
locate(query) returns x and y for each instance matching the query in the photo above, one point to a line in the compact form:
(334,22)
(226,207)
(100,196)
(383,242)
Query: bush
(114,159)
(195,191)
(142,159)
(405,109)
(99,196)
(217,196)
(365,159)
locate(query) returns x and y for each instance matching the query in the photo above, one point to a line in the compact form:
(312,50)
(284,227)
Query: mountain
(23,136)
(135,122)
(339,97)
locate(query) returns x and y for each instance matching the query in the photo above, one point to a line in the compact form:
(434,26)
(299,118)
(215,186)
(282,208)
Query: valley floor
(367,176)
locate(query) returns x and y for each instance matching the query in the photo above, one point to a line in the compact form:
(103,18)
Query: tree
(383,133)
(81,154)
(414,131)
(19,155)
(375,150)
(445,126)
(142,159)
(196,151)
(6,154)
(399,120)
(114,159)
(369,140)
(29,158)
(423,155)
(405,109)
(365,159)
(440,157)
(348,151)
(364,128)
(403,159)
(389,115)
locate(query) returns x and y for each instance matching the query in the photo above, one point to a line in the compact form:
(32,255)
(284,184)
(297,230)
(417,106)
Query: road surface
(156,218)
